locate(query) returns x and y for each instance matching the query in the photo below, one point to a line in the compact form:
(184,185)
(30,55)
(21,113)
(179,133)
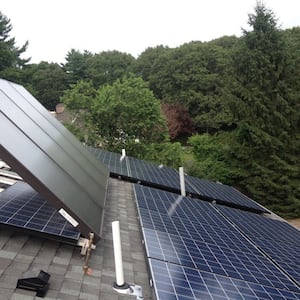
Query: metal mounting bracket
(84,244)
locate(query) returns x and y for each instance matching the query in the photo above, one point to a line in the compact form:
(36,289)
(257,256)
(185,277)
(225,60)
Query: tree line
(228,109)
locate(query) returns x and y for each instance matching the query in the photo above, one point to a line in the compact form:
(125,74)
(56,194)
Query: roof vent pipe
(182,181)
(120,285)
(123,154)
(118,254)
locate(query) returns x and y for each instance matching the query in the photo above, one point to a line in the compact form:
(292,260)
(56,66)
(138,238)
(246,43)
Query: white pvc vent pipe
(118,253)
(182,181)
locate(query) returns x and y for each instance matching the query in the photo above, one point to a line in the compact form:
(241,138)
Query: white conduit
(182,181)
(118,253)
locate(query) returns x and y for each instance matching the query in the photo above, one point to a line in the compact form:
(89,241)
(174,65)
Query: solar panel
(167,178)
(116,166)
(221,260)
(51,160)
(181,207)
(195,235)
(136,170)
(222,194)
(262,227)
(154,175)
(23,208)
(279,240)
(173,282)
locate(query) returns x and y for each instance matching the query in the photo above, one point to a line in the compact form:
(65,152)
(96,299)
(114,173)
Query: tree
(179,121)
(108,66)
(76,65)
(210,158)
(78,101)
(126,114)
(143,66)
(46,81)
(267,118)
(10,54)
(194,75)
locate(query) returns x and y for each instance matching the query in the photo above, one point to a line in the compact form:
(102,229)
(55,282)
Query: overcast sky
(54,27)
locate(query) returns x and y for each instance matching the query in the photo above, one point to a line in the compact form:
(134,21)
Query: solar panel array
(23,208)
(195,253)
(167,178)
(279,240)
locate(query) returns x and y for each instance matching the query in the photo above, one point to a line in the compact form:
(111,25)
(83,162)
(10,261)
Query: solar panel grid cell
(177,206)
(22,207)
(178,282)
(195,231)
(221,193)
(212,258)
(262,227)
(277,239)
(159,175)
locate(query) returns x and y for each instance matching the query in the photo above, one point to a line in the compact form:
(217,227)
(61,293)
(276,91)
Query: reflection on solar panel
(223,194)
(192,236)
(116,166)
(22,207)
(278,239)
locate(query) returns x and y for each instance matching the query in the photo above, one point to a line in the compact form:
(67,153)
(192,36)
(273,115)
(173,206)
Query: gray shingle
(21,252)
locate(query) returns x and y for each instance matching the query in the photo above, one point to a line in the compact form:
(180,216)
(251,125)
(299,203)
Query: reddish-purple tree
(179,121)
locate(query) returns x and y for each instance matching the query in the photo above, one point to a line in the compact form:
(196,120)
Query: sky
(54,27)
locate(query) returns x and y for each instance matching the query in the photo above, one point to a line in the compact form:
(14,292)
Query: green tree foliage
(210,154)
(46,81)
(76,65)
(165,153)
(10,54)
(78,101)
(124,114)
(265,109)
(108,66)
(101,68)
(194,75)
(143,66)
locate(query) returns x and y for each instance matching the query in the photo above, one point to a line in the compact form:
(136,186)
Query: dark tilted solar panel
(223,194)
(154,175)
(22,207)
(278,239)
(112,160)
(179,237)
(51,160)
(173,282)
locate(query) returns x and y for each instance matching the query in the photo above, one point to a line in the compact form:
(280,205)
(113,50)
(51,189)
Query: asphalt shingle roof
(22,253)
